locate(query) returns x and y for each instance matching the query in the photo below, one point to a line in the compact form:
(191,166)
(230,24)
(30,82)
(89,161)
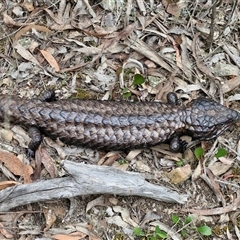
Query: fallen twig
(216,211)
(84,180)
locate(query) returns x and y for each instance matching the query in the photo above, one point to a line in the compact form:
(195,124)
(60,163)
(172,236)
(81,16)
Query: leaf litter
(77,45)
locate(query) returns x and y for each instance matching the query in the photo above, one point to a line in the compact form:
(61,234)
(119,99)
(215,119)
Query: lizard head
(206,119)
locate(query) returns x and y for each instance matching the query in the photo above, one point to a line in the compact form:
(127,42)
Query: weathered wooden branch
(84,180)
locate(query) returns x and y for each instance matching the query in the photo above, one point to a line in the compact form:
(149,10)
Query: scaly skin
(118,125)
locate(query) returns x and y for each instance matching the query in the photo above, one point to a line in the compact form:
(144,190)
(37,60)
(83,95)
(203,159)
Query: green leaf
(153,238)
(179,163)
(157,229)
(205,230)
(125,90)
(138,232)
(138,79)
(188,219)
(175,218)
(126,93)
(184,232)
(122,161)
(221,153)
(160,233)
(198,152)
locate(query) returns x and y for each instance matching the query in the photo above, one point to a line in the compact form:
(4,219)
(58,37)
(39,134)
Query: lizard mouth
(213,133)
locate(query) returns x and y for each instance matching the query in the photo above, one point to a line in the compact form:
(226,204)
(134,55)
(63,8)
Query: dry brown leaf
(141,6)
(233,53)
(93,238)
(27,28)
(6,184)
(216,211)
(72,236)
(223,69)
(25,53)
(141,167)
(125,215)
(28,171)
(172,7)
(180,174)
(100,201)
(186,66)
(231,84)
(226,161)
(10,22)
(51,14)
(62,18)
(50,59)
(115,37)
(197,172)
(50,218)
(108,155)
(38,163)
(138,45)
(209,178)
(28,5)
(90,9)
(43,157)
(4,231)
(219,168)
(199,63)
(164,148)
(111,160)
(81,235)
(14,165)
(132,154)
(6,134)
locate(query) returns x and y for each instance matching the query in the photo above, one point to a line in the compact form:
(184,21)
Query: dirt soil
(130,51)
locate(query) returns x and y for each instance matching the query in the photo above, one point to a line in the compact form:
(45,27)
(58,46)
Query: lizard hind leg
(36,139)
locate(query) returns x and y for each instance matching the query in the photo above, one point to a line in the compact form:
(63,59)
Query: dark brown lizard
(117,125)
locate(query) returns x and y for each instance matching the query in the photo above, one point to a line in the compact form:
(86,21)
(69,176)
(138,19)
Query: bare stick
(84,180)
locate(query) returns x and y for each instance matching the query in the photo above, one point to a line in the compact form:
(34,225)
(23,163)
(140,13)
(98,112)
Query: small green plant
(221,153)
(184,227)
(205,230)
(199,152)
(126,93)
(158,234)
(138,79)
(138,232)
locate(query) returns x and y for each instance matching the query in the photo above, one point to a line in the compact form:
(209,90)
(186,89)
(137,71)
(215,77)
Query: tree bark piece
(86,179)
